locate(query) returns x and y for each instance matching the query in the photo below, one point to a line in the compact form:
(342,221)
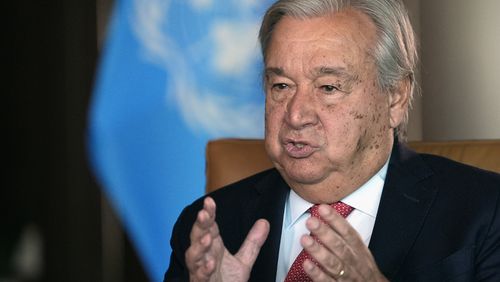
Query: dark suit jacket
(438,220)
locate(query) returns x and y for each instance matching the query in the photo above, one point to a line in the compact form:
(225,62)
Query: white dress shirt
(364,200)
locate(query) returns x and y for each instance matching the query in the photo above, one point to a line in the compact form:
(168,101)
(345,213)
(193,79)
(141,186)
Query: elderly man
(346,201)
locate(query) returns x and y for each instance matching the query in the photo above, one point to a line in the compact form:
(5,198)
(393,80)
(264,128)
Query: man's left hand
(342,255)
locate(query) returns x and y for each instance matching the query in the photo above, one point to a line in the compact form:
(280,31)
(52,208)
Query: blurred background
(58,225)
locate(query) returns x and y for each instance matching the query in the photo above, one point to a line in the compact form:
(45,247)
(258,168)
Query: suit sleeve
(488,256)
(179,242)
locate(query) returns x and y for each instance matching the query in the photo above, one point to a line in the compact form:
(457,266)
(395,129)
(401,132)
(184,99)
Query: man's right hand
(208,259)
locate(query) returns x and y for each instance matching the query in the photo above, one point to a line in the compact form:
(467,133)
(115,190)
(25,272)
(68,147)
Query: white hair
(395,52)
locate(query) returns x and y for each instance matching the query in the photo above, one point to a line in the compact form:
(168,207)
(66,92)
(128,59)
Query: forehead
(345,37)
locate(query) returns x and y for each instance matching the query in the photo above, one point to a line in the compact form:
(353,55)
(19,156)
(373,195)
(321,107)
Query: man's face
(328,126)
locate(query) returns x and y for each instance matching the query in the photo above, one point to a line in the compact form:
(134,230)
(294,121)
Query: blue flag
(173,75)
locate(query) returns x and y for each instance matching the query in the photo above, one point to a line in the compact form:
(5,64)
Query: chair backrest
(229,160)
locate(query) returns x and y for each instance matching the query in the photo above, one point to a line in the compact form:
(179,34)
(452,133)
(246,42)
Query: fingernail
(308,266)
(324,210)
(313,223)
(308,241)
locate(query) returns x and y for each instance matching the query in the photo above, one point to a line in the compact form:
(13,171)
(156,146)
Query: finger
(201,226)
(205,220)
(329,263)
(202,255)
(342,240)
(340,225)
(336,234)
(203,273)
(328,237)
(209,206)
(198,259)
(255,239)
(316,273)
(197,252)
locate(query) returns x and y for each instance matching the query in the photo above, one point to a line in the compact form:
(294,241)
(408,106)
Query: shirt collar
(296,206)
(367,197)
(364,199)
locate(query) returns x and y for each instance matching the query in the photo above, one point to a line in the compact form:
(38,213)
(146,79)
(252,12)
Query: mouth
(298,149)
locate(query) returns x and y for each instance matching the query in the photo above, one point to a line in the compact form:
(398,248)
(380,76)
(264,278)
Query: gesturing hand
(208,259)
(342,255)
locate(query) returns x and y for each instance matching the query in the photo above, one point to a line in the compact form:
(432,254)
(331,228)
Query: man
(339,77)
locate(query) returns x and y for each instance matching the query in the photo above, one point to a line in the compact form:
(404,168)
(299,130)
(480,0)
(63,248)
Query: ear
(399,102)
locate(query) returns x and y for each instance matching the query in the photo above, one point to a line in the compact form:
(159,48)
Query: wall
(415,122)
(50,62)
(460,50)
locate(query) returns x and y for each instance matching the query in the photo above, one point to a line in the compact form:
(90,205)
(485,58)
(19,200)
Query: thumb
(253,242)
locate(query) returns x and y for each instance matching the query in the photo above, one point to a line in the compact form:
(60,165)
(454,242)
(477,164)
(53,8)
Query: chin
(302,175)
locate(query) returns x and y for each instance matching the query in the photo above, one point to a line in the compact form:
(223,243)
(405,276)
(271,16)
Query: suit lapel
(268,204)
(405,201)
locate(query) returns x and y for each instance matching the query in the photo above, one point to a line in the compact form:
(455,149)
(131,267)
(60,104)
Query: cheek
(377,119)
(341,125)
(273,119)
(351,123)
(273,122)
(341,119)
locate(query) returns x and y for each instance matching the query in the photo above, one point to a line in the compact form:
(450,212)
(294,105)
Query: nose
(301,111)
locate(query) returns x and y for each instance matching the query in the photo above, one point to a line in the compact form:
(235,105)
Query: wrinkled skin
(329,128)
(208,259)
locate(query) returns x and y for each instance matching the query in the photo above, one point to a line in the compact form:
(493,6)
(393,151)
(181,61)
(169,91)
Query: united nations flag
(173,74)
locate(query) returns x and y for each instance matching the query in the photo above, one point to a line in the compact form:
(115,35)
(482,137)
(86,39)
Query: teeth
(299,145)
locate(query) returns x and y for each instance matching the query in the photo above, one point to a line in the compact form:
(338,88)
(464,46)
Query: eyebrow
(341,72)
(319,71)
(337,71)
(274,70)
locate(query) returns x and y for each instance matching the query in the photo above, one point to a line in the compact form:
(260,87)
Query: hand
(208,259)
(342,254)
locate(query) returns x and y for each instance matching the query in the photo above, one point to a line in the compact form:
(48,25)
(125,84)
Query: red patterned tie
(296,272)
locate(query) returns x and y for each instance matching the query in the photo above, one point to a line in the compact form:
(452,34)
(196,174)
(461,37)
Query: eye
(279,91)
(280,86)
(329,88)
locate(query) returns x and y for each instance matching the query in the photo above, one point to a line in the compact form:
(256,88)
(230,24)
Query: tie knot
(342,208)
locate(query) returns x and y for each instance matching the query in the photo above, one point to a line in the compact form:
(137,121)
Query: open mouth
(298,149)
(299,145)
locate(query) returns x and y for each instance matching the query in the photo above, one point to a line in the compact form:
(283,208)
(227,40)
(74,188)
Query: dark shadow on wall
(48,196)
